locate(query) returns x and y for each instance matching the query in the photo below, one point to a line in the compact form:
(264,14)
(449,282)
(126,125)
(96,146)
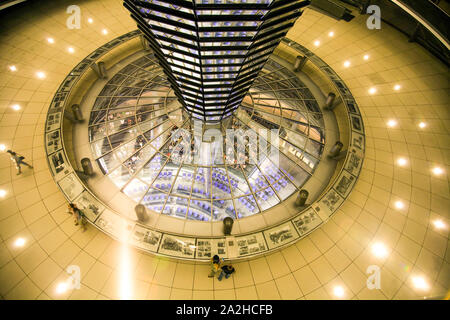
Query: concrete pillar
(87,166)
(144,42)
(77,115)
(299,63)
(301,198)
(141,213)
(330,101)
(227,225)
(100,69)
(336,149)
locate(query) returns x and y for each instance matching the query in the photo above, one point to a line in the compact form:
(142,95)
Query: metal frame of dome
(211,51)
(134,140)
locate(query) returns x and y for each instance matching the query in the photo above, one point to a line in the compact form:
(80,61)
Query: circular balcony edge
(233,247)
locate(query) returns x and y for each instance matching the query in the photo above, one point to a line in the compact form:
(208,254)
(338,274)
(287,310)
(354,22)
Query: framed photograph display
(345,183)
(53,141)
(177,246)
(71,186)
(251,244)
(358,141)
(114,224)
(53,121)
(306,222)
(145,238)
(207,248)
(357,124)
(354,162)
(280,235)
(58,164)
(328,204)
(90,207)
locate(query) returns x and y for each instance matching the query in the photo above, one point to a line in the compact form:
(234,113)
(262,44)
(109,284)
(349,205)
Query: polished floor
(397,218)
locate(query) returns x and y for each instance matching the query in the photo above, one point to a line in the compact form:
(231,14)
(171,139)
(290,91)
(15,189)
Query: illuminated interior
(134,121)
(394,220)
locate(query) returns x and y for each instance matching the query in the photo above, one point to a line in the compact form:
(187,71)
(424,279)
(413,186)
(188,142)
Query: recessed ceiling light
(420,283)
(61,288)
(372,90)
(2,193)
(397,87)
(317,43)
(347,64)
(40,75)
(104,31)
(338,291)
(331,34)
(379,250)
(20,242)
(401,161)
(50,40)
(439,224)
(12,68)
(71,50)
(90,20)
(399,204)
(15,107)
(422,125)
(392,123)
(2,147)
(366,57)
(438,171)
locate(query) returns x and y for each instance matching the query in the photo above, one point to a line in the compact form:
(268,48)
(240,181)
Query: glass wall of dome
(144,142)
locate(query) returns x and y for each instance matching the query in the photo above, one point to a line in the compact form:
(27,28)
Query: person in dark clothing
(227,271)
(216,263)
(18,160)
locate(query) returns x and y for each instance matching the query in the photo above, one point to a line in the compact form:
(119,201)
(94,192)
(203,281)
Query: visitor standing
(216,263)
(227,271)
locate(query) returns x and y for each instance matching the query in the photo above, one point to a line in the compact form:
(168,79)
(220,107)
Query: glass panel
(201,188)
(246,206)
(100,147)
(199,210)
(135,189)
(255,178)
(130,123)
(284,188)
(223,209)
(266,198)
(137,160)
(154,200)
(220,185)
(176,207)
(239,184)
(166,177)
(183,183)
(120,176)
(108,162)
(151,170)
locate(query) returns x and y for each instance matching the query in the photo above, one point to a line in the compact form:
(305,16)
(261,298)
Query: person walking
(227,271)
(18,160)
(216,263)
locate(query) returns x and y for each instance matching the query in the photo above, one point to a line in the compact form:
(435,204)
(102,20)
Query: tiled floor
(330,264)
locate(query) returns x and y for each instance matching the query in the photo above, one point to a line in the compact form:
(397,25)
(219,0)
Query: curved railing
(236,247)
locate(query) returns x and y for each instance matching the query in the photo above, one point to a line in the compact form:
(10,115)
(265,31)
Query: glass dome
(149,147)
